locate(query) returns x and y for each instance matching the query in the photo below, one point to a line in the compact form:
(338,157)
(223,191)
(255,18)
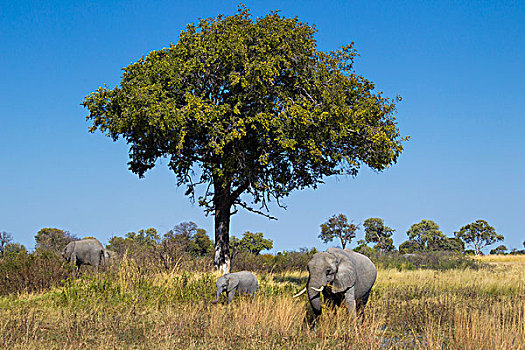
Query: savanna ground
(126,307)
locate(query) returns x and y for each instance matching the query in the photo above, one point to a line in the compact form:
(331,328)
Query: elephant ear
(233,282)
(345,276)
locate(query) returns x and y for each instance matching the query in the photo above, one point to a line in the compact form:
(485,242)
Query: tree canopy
(338,227)
(253,242)
(252,110)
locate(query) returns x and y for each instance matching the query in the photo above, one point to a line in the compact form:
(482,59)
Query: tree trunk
(222,203)
(477,247)
(343,242)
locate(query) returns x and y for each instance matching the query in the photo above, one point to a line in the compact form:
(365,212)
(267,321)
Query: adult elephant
(85,252)
(340,275)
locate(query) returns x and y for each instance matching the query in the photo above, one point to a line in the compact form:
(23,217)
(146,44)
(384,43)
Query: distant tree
(143,242)
(178,240)
(451,244)
(5,239)
(501,249)
(377,232)
(409,247)
(255,106)
(201,244)
(337,227)
(385,245)
(515,251)
(426,235)
(234,247)
(145,237)
(118,245)
(363,248)
(254,242)
(479,235)
(53,239)
(14,248)
(187,237)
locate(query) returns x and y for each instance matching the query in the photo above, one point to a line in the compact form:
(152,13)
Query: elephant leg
(96,263)
(350,301)
(103,258)
(231,294)
(360,307)
(73,259)
(75,262)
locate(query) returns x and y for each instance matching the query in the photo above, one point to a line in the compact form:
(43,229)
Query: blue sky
(457,65)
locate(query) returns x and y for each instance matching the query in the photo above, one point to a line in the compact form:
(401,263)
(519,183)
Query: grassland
(126,307)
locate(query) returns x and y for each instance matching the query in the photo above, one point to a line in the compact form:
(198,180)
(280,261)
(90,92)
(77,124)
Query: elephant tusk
(318,290)
(301,292)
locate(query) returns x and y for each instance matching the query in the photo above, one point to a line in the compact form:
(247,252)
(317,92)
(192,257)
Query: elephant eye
(329,272)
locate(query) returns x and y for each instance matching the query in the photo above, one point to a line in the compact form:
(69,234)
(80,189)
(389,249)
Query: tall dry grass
(128,308)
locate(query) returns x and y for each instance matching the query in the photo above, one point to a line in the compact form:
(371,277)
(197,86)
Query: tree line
(424,236)
(184,238)
(187,238)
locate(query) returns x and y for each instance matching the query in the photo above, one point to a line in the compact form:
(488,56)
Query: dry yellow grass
(514,259)
(421,309)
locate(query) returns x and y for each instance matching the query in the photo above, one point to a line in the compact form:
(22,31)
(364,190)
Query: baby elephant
(243,282)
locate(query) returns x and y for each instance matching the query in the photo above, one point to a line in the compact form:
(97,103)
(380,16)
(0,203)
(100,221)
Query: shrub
(283,261)
(35,272)
(426,260)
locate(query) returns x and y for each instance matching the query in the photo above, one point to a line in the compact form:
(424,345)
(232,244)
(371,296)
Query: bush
(283,261)
(35,272)
(426,260)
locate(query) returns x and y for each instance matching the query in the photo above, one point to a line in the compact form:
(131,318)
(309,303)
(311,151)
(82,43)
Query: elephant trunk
(219,292)
(314,289)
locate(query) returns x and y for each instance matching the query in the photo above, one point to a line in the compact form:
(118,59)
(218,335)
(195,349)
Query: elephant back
(366,272)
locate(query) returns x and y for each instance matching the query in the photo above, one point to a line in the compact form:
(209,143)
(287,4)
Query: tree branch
(250,209)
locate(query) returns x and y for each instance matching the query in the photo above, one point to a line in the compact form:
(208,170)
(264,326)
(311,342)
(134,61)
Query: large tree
(479,235)
(250,108)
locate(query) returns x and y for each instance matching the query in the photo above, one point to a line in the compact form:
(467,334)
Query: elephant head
(332,271)
(67,251)
(226,283)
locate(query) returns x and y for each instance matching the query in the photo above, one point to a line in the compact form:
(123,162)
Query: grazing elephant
(243,282)
(340,275)
(85,252)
